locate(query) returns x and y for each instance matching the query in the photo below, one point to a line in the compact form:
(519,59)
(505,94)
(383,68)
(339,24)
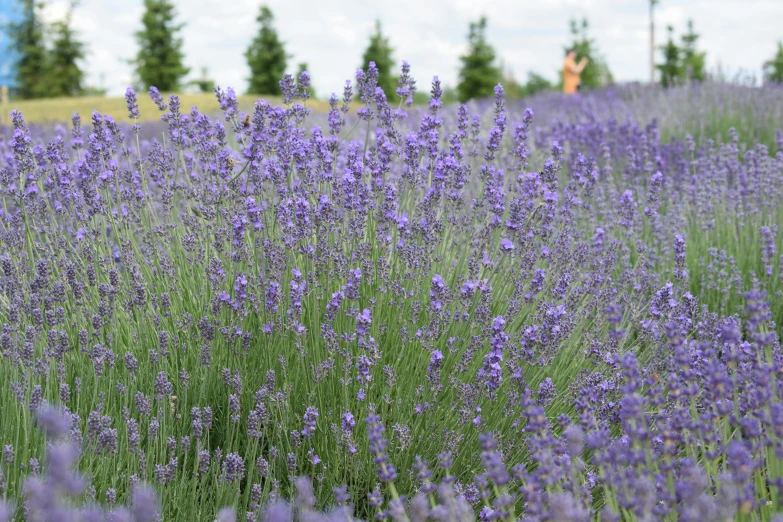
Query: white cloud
(430,34)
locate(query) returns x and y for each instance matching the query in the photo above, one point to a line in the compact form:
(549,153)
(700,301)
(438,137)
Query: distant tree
(535,84)
(160,57)
(302,67)
(515,90)
(693,61)
(596,74)
(671,67)
(379,50)
(479,74)
(94,91)
(27,37)
(205,83)
(66,77)
(773,69)
(266,56)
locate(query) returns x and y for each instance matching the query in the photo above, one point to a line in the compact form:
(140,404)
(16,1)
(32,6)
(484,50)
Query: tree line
(51,58)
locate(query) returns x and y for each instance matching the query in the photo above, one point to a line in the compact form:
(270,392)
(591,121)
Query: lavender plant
(441,314)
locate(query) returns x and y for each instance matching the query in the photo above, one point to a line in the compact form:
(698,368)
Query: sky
(330,36)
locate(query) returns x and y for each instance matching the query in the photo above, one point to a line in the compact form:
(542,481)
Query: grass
(59,110)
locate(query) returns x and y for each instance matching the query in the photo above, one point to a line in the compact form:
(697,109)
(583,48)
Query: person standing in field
(571,72)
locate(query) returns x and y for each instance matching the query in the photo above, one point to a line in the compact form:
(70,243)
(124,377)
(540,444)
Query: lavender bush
(389,313)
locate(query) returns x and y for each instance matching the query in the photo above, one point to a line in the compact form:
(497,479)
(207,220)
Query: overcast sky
(330,36)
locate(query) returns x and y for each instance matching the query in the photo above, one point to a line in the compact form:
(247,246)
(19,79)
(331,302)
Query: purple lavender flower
(363,322)
(8,453)
(491,373)
(157,97)
(145,504)
(378,444)
(233,468)
(310,416)
(133,105)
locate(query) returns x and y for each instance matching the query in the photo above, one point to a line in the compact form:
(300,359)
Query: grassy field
(53,110)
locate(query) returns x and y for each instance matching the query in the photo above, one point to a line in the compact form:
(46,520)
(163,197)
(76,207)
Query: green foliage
(159,60)
(66,78)
(266,56)
(205,83)
(516,90)
(380,51)
(692,60)
(773,69)
(27,36)
(681,63)
(535,84)
(597,73)
(479,74)
(94,91)
(670,68)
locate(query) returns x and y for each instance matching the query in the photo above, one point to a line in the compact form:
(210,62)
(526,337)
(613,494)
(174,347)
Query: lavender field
(570,311)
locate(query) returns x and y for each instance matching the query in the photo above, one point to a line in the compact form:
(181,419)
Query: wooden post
(652,40)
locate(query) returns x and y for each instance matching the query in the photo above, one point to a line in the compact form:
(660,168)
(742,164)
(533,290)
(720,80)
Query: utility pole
(652,41)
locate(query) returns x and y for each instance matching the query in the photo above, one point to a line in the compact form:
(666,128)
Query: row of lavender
(439,314)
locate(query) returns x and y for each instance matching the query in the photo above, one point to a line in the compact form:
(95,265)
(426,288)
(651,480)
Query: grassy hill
(60,109)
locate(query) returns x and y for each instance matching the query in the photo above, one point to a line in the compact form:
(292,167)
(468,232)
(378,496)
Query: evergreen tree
(773,69)
(266,57)
(478,75)
(596,74)
(693,61)
(159,60)
(671,68)
(380,51)
(27,36)
(66,77)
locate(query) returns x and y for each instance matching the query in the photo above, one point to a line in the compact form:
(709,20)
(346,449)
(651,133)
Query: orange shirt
(570,76)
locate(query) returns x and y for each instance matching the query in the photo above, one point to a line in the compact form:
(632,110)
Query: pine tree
(773,69)
(596,74)
(27,36)
(380,51)
(479,75)
(693,61)
(266,57)
(159,60)
(66,77)
(671,68)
